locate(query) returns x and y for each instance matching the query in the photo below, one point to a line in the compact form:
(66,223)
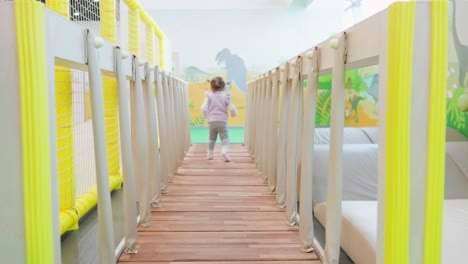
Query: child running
(215,108)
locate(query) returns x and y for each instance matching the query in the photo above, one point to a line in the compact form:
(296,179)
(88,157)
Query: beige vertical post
(172,126)
(105,224)
(335,168)
(187,117)
(176,122)
(246,125)
(253,121)
(163,140)
(247,116)
(152,124)
(281,167)
(251,117)
(306,228)
(140,145)
(258,94)
(272,163)
(169,120)
(180,128)
(128,167)
(292,143)
(266,124)
(261,124)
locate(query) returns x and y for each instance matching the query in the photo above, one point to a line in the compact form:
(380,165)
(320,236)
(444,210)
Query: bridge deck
(218,212)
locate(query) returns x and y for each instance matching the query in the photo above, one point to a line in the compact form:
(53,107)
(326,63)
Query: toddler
(215,108)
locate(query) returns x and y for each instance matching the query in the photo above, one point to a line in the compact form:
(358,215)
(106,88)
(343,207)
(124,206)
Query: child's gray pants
(216,128)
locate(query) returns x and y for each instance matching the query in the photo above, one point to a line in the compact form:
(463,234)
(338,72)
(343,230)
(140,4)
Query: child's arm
(204,107)
(232,109)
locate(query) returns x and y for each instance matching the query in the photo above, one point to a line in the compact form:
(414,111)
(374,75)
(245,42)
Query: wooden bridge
(219,212)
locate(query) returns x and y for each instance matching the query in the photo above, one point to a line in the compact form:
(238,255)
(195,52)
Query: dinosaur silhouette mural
(461,49)
(235,68)
(355,100)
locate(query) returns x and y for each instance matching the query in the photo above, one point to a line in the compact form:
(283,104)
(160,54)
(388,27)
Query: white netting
(85,166)
(123,27)
(118,23)
(143,40)
(87,14)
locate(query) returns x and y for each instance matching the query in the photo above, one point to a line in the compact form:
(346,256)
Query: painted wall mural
(197,97)
(233,71)
(361,98)
(457,68)
(362,85)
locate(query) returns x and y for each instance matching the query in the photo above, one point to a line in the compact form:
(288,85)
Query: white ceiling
(216,4)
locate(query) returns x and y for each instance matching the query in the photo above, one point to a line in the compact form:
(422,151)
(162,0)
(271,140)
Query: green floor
(199,135)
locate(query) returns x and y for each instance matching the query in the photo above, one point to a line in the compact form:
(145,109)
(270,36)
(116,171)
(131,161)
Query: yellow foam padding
(65,137)
(161,52)
(108,20)
(111,122)
(134,31)
(61,7)
(35,133)
(397,142)
(83,204)
(436,133)
(86,202)
(68,221)
(135,5)
(115,181)
(149,41)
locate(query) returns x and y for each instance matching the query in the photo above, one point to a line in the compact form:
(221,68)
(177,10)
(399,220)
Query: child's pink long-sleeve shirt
(216,107)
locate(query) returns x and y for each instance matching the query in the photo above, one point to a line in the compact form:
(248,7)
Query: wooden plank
(229,262)
(217,207)
(217,216)
(217,159)
(218,165)
(217,212)
(217,172)
(207,199)
(217,226)
(219,180)
(219,191)
(232,252)
(210,238)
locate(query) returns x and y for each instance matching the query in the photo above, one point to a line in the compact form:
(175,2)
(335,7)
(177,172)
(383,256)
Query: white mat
(360,172)
(359,230)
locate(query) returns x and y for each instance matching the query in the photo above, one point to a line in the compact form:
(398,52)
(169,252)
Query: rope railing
(106,125)
(389,43)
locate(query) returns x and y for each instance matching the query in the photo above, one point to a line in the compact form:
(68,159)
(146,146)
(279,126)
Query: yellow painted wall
(197,97)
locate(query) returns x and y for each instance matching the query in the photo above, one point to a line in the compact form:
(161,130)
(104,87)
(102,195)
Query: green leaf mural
(456,118)
(325,82)
(322,116)
(198,121)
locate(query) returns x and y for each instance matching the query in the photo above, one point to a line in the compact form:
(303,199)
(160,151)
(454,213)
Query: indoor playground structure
(327,166)
(392,194)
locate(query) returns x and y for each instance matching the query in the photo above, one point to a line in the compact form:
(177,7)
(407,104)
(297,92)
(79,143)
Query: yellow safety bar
(436,133)
(35,133)
(135,6)
(397,137)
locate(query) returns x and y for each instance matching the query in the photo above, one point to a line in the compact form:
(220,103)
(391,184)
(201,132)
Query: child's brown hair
(217,84)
